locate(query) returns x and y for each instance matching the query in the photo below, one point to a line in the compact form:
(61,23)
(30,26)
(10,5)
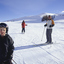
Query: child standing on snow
(23,26)
(49,24)
(6,45)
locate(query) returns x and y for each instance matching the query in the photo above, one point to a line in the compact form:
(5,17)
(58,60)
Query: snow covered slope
(25,50)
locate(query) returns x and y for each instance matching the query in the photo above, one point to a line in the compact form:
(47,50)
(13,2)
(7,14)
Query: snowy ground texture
(25,50)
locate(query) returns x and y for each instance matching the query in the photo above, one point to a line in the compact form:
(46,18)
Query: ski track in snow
(25,50)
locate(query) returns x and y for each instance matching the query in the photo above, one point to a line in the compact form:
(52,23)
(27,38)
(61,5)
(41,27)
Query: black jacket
(6,48)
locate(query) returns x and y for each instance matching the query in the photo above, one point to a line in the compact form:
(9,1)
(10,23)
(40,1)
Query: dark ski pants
(23,29)
(48,35)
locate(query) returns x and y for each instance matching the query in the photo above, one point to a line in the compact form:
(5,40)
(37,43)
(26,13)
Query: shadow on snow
(29,46)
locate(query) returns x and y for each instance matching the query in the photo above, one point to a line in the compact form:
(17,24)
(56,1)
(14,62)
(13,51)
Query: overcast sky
(12,9)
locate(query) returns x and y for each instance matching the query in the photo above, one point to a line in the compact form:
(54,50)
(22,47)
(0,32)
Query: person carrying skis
(23,26)
(49,24)
(6,45)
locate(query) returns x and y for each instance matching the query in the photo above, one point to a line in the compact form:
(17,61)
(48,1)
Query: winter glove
(8,59)
(26,24)
(51,25)
(45,25)
(7,62)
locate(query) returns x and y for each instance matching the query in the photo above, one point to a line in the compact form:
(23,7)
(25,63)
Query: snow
(25,50)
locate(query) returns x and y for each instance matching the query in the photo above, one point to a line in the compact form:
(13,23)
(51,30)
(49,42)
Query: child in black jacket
(6,45)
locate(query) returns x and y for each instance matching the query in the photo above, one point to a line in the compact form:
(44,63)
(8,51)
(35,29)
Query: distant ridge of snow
(59,16)
(46,14)
(37,18)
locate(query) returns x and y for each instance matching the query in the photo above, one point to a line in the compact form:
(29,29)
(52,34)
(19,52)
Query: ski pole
(14,61)
(43,34)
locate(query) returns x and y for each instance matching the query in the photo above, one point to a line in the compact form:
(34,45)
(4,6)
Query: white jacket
(49,22)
